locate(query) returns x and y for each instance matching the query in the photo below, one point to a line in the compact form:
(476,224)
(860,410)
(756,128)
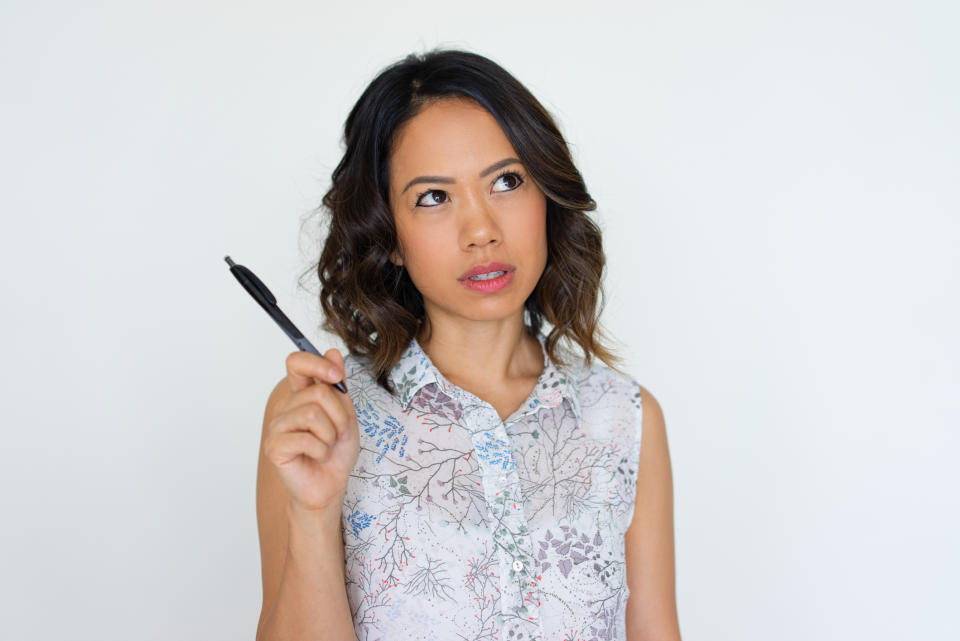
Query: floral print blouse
(459,525)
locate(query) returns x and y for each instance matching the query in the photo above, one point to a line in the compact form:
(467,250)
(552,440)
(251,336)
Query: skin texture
(477,339)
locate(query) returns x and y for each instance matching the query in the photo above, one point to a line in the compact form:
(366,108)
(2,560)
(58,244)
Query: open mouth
(489,282)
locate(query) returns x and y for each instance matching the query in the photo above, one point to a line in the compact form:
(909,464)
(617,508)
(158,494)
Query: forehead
(450,137)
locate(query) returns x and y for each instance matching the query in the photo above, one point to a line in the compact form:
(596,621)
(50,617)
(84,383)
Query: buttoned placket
(519,584)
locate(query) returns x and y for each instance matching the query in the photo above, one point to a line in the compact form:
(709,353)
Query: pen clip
(266,299)
(258,284)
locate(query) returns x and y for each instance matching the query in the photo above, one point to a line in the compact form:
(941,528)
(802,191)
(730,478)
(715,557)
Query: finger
(338,406)
(284,448)
(336,358)
(305,369)
(307,418)
(339,370)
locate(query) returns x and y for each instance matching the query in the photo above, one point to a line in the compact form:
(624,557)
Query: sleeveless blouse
(459,525)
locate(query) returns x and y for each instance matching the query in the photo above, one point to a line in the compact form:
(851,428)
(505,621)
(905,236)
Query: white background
(777,183)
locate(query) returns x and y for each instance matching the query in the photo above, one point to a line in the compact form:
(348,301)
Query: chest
(459,531)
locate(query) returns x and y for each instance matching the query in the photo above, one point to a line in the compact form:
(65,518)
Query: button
(503,478)
(518,565)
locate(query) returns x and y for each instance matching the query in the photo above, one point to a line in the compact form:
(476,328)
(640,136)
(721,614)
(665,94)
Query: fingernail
(333,374)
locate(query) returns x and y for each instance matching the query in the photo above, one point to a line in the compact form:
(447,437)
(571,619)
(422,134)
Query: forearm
(311,602)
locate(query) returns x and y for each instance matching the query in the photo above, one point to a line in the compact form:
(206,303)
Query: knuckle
(322,393)
(314,413)
(292,359)
(326,433)
(339,418)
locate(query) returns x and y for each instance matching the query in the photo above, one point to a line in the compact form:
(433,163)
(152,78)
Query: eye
(511,179)
(431,195)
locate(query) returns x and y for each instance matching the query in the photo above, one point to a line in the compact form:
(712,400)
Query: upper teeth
(487,276)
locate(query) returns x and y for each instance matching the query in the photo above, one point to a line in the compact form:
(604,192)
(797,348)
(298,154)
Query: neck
(489,357)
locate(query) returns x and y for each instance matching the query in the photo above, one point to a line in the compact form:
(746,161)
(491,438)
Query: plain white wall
(778,186)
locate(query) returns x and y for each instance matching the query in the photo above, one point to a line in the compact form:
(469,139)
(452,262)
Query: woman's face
(460,197)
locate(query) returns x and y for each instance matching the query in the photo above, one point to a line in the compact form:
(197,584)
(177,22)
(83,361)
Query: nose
(479,225)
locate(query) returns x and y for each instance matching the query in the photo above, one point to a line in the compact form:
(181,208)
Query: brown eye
(431,197)
(510,180)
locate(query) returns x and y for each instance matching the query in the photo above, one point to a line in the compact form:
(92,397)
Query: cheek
(426,256)
(531,224)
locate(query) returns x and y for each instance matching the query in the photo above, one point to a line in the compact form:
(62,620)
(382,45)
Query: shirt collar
(415,370)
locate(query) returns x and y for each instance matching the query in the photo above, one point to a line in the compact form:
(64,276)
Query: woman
(478,481)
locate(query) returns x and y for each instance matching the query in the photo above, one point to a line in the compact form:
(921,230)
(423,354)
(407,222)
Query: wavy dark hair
(371,303)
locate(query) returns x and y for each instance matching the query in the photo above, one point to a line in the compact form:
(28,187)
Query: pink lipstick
(491,277)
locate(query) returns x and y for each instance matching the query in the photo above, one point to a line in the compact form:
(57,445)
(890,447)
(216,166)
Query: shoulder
(599,384)
(603,389)
(649,539)
(654,428)
(362,384)
(357,367)
(353,363)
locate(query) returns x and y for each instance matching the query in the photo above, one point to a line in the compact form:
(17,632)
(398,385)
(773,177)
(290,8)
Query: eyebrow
(446,180)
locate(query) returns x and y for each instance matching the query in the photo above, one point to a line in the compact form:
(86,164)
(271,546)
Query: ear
(395,259)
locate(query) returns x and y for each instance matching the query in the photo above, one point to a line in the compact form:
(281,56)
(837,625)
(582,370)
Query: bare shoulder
(654,426)
(654,474)
(649,541)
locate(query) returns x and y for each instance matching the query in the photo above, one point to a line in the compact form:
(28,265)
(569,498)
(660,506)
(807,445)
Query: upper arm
(272,498)
(652,605)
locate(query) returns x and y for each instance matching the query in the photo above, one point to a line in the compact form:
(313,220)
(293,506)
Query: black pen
(268,302)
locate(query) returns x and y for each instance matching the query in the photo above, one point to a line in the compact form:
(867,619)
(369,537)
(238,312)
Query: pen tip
(229,261)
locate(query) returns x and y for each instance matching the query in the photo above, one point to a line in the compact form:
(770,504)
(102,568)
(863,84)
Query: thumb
(333,355)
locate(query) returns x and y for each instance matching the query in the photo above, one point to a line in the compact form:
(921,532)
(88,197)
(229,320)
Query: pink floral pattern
(458,525)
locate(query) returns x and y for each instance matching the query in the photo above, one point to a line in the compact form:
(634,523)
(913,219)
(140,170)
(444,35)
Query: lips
(484,269)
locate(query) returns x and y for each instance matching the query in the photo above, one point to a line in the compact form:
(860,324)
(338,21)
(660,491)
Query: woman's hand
(313,441)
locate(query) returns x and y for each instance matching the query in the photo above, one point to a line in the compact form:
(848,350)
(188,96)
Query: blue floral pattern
(359,521)
(389,433)
(495,452)
(483,528)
